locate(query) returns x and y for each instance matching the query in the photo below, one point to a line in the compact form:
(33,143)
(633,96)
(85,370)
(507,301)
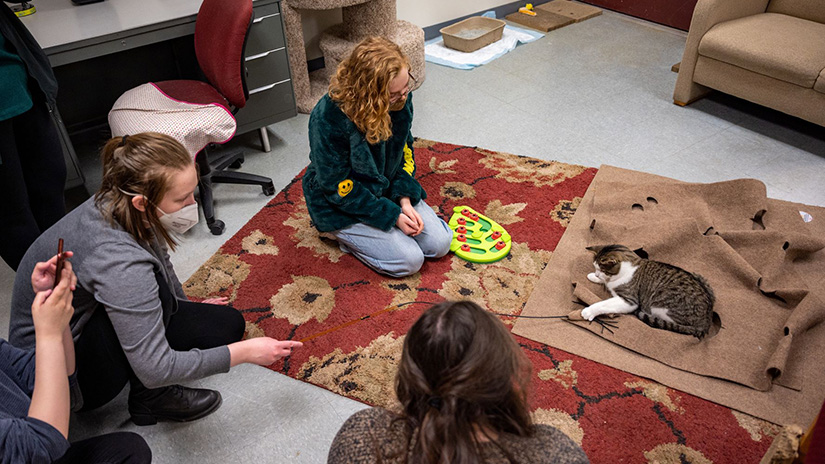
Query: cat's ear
(594,249)
(609,262)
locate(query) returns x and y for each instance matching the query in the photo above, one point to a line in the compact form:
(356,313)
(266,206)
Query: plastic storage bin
(472,33)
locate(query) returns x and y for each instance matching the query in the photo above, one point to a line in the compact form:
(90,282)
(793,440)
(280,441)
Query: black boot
(175,403)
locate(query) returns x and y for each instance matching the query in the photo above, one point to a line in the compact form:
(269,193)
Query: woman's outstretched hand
(262,351)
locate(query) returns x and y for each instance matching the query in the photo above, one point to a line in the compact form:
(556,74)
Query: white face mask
(180,221)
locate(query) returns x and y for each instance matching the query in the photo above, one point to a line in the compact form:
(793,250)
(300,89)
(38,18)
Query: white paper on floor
(436,52)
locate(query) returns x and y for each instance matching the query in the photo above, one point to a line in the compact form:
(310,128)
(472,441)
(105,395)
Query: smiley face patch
(344,187)
(409,161)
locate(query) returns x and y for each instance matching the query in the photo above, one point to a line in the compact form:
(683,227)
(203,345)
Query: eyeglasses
(396,96)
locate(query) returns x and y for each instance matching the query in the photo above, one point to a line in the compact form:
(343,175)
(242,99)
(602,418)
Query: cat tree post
(361,19)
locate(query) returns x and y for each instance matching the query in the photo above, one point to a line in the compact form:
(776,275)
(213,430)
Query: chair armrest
(707,14)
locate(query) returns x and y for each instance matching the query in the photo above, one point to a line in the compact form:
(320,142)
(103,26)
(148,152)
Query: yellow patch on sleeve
(344,187)
(409,162)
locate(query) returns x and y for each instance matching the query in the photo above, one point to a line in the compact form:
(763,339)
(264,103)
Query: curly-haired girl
(360,184)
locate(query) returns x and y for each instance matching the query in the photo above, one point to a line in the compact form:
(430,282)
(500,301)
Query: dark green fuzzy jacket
(349,181)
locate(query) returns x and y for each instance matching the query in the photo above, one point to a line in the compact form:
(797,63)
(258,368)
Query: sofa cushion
(813,10)
(819,86)
(779,46)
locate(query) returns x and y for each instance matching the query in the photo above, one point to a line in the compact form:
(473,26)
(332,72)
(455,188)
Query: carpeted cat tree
(362,18)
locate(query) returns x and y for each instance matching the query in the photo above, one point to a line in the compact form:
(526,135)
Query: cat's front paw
(588,313)
(592,277)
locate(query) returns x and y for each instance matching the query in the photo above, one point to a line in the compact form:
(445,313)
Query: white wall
(425,13)
(422,13)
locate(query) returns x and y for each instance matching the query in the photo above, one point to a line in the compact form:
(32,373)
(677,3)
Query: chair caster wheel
(237,164)
(269,189)
(217,227)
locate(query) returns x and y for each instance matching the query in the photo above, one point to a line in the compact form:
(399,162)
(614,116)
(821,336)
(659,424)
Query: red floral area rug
(291,283)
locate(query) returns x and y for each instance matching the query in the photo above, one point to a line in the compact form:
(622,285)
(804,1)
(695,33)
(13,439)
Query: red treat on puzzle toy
(474,217)
(465,212)
(461,229)
(500,245)
(496,235)
(465,247)
(461,238)
(461,221)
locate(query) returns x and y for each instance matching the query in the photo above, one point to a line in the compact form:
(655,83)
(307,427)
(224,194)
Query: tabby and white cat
(662,295)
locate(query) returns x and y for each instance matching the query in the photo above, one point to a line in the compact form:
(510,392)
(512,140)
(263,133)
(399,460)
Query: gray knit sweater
(371,431)
(117,273)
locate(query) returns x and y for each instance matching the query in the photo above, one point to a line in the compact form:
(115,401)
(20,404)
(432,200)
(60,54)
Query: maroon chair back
(220,39)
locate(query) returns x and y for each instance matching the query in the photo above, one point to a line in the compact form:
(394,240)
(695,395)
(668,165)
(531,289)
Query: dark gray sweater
(23,438)
(117,273)
(372,430)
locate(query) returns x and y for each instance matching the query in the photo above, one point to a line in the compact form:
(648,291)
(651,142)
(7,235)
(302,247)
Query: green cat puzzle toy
(477,238)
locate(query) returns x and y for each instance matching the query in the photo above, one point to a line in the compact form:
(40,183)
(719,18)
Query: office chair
(221,30)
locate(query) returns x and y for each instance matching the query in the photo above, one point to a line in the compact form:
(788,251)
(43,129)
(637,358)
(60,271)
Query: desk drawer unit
(271,98)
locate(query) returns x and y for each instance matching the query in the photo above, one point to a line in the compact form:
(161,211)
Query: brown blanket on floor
(766,266)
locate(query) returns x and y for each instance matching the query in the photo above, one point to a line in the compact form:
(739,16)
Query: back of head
(361,85)
(461,374)
(140,164)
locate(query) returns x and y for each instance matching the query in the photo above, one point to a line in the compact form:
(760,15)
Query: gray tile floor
(590,93)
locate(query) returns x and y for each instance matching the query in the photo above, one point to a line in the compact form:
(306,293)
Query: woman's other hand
(43,274)
(407,225)
(408,209)
(52,309)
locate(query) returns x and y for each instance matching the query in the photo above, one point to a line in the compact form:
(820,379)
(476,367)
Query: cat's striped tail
(658,323)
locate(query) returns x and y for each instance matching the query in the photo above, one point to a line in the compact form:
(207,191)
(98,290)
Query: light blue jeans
(393,252)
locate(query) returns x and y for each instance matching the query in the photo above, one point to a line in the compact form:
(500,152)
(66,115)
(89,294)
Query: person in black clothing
(36,387)
(32,167)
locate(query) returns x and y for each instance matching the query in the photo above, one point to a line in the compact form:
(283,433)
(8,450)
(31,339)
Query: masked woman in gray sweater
(133,323)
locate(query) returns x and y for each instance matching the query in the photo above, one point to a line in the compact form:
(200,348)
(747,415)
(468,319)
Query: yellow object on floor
(23,9)
(477,238)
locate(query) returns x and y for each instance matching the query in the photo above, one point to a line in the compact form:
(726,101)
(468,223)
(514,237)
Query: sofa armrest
(707,14)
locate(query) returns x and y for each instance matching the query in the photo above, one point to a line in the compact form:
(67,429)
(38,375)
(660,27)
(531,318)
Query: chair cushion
(813,10)
(775,45)
(147,108)
(192,92)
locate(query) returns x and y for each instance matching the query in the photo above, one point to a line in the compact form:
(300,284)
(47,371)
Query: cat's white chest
(625,275)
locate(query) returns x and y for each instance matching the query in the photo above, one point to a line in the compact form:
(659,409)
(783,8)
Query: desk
(100,50)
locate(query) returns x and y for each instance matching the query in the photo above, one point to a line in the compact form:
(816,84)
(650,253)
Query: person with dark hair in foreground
(462,383)
(35,387)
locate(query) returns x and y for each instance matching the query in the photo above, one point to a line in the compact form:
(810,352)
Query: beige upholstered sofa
(770,52)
